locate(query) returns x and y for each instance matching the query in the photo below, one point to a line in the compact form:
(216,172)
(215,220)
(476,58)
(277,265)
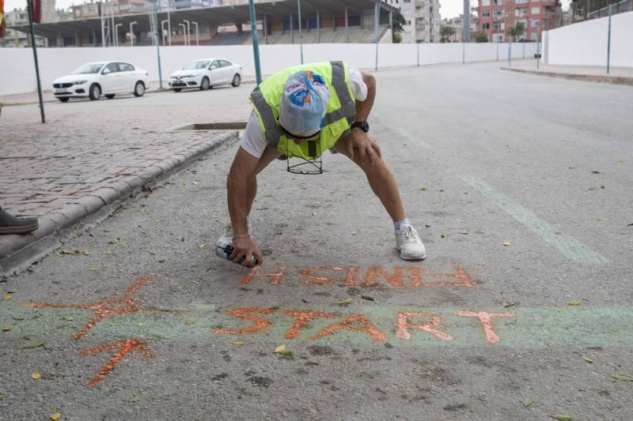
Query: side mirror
(105,71)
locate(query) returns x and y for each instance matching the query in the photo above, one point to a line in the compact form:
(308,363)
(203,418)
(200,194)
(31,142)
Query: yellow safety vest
(340,112)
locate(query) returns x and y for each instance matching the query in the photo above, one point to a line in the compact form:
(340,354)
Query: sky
(449,8)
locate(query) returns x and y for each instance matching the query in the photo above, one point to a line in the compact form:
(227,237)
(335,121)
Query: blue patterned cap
(304,103)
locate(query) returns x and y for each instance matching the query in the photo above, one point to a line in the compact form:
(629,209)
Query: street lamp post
(116,34)
(188,37)
(196,23)
(184,29)
(132,33)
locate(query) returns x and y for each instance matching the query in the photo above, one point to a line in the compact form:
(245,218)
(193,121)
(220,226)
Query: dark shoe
(9,224)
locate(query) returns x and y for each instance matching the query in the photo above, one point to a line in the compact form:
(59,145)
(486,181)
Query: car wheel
(236,81)
(204,85)
(110,96)
(177,89)
(63,99)
(139,89)
(95,92)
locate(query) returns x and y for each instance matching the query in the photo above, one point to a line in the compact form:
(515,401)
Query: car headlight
(80,82)
(186,76)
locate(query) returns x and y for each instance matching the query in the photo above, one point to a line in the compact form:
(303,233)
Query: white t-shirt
(253,140)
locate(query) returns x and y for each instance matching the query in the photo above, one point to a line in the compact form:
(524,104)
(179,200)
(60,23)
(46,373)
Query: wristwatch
(363,125)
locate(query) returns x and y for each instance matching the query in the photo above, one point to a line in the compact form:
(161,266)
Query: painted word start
(405,321)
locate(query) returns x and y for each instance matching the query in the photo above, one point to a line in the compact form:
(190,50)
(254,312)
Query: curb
(615,80)
(18,252)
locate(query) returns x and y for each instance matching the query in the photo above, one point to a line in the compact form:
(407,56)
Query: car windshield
(202,64)
(89,69)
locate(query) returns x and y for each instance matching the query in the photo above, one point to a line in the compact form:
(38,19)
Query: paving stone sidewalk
(90,156)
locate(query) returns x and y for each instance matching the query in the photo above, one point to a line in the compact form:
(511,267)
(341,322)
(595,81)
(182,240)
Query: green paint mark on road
(568,246)
(543,327)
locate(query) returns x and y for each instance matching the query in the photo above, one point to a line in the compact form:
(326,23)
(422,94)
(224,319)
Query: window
(485,26)
(520,13)
(485,2)
(536,10)
(499,26)
(125,67)
(485,14)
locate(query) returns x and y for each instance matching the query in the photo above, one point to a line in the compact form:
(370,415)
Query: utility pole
(466,22)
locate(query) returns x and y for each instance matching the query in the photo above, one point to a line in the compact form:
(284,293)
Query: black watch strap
(363,125)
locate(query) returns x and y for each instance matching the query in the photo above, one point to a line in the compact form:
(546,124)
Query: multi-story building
(457,25)
(18,39)
(495,18)
(422,19)
(113,8)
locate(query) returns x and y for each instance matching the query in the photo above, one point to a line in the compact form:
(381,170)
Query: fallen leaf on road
(345,302)
(574,303)
(35,375)
(7,328)
(561,417)
(2,396)
(190,320)
(93,269)
(201,246)
(506,243)
(586,358)
(238,343)
(280,348)
(7,296)
(32,345)
(527,402)
(136,398)
(622,378)
(56,416)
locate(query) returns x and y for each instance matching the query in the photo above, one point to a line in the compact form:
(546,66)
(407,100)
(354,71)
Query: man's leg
(383,183)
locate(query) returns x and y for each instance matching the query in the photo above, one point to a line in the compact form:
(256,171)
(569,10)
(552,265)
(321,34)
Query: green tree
(397,27)
(517,30)
(481,37)
(446,32)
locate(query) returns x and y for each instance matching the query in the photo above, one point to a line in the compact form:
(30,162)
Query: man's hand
(361,147)
(245,248)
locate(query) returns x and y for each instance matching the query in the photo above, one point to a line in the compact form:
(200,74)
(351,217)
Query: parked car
(205,74)
(107,78)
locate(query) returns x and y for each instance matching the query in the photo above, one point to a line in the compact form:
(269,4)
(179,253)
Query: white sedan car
(205,74)
(108,78)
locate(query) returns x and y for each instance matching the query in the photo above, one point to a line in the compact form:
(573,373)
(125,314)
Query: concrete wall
(17,70)
(585,43)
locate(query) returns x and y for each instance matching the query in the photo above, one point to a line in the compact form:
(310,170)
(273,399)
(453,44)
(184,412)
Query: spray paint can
(225,248)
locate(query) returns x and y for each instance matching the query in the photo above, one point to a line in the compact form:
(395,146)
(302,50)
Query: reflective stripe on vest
(347,109)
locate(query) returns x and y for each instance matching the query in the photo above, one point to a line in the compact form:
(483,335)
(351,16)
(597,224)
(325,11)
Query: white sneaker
(409,244)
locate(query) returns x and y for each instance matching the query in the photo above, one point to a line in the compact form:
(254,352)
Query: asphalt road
(520,188)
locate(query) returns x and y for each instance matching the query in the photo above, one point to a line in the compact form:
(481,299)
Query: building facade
(422,18)
(18,39)
(495,18)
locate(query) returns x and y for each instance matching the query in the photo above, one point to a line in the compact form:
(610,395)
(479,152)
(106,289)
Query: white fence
(585,43)
(17,70)
(579,44)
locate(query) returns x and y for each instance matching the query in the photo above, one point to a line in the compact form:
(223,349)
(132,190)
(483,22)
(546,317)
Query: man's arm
(359,142)
(242,169)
